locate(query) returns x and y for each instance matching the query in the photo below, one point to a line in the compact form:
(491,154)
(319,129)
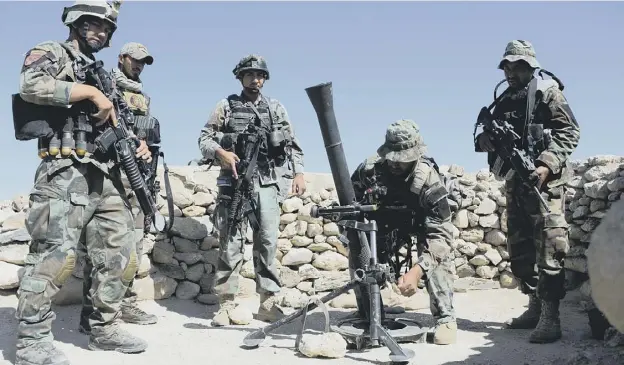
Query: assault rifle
(148,128)
(242,205)
(125,146)
(504,139)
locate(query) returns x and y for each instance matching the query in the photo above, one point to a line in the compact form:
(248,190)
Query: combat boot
(222,317)
(131,313)
(40,353)
(113,338)
(548,328)
(268,310)
(530,317)
(445,333)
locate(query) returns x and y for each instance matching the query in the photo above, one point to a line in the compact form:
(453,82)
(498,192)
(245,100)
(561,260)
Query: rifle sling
(253,107)
(169,194)
(532,89)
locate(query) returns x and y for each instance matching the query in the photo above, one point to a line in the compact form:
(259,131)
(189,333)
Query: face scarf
(125,83)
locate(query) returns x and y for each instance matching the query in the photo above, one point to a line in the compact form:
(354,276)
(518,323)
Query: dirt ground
(184,336)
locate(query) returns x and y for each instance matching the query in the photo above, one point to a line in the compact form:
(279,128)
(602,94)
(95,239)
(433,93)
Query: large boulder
(605,262)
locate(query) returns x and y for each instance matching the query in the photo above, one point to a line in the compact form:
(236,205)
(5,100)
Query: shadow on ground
(482,342)
(576,347)
(64,327)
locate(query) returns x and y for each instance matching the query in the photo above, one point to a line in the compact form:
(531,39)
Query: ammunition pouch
(279,136)
(538,139)
(147,128)
(32,121)
(225,187)
(229,141)
(279,139)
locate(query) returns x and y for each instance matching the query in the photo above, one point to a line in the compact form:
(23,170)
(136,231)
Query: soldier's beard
(251,92)
(94,46)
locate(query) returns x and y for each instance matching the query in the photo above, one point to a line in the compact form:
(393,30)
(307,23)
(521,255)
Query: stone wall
(310,258)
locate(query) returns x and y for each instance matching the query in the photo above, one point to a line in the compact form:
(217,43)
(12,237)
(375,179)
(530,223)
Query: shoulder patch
(33,56)
(421,175)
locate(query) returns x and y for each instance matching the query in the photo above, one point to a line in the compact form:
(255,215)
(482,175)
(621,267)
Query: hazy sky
(435,63)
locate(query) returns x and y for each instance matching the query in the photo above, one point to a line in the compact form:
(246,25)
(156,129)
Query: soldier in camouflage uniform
(413,179)
(76,193)
(275,170)
(132,59)
(537,240)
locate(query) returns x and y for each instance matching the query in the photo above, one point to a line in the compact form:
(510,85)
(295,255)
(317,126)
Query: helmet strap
(81,28)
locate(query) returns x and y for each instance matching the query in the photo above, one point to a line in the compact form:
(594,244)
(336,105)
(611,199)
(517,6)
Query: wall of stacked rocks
(310,258)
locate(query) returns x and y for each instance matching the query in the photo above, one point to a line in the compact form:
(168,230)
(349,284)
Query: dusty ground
(184,336)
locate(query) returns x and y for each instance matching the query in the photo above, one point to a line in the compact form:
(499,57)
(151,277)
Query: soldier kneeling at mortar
(413,179)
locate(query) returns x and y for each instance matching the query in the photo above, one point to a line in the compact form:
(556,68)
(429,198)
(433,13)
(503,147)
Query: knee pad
(67,268)
(56,267)
(131,269)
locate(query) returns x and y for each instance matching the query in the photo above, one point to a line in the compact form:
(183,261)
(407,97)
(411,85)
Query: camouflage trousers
(69,201)
(439,283)
(537,241)
(137,238)
(264,245)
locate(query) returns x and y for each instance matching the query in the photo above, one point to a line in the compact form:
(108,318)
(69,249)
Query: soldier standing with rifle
(252,138)
(410,178)
(77,187)
(532,118)
(132,59)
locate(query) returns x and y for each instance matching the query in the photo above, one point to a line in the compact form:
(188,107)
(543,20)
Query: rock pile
(598,183)
(311,259)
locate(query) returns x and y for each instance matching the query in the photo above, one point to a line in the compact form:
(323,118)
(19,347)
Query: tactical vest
(520,110)
(144,125)
(242,114)
(399,189)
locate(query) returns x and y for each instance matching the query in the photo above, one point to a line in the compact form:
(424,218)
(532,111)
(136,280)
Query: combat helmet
(251,62)
(403,142)
(99,9)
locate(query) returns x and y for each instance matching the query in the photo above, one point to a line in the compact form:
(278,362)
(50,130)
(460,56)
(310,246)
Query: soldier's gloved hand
(105,107)
(143,152)
(228,160)
(485,142)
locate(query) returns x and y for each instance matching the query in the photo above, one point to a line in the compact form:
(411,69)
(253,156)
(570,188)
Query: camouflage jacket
(553,112)
(423,191)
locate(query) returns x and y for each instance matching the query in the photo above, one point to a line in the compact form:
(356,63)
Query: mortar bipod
(314,300)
